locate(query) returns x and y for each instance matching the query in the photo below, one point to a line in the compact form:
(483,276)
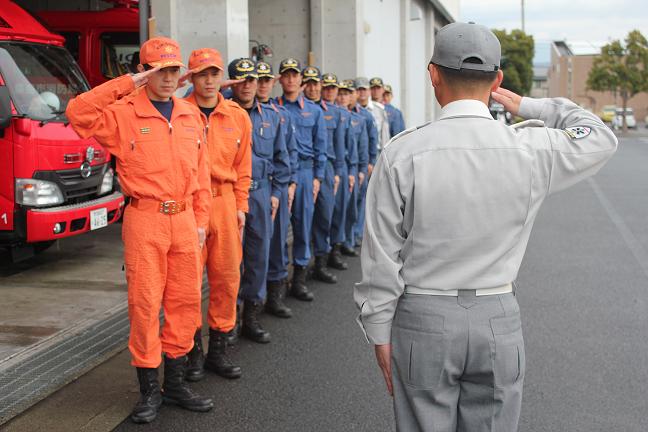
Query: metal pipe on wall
(143,20)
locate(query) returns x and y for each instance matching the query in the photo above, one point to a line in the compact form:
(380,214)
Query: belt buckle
(168,207)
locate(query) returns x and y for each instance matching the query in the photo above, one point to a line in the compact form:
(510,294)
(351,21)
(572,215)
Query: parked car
(607,113)
(629,116)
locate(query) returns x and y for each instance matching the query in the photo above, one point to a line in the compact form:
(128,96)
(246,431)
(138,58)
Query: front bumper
(74,219)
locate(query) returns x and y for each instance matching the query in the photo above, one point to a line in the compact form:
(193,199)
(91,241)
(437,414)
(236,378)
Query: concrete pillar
(220,24)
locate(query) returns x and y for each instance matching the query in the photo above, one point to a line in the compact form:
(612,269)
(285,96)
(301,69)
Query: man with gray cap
(453,203)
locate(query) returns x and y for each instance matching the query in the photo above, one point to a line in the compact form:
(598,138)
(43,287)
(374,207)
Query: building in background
(392,39)
(567,77)
(540,87)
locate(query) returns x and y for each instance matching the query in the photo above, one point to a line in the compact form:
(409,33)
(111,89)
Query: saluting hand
(510,100)
(141,78)
(274,204)
(184,78)
(383,356)
(229,82)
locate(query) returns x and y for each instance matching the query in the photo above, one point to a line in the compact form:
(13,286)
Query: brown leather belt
(170,207)
(219,189)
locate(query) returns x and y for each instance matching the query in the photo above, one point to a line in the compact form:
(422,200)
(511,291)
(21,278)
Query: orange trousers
(222,254)
(163,269)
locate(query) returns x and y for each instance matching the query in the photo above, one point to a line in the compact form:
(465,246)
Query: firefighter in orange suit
(163,166)
(229,138)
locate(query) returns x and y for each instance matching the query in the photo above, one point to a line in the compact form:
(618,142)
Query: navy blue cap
(242,68)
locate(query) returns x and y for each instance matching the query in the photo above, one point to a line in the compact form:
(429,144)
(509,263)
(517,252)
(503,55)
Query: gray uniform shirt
(379,114)
(451,204)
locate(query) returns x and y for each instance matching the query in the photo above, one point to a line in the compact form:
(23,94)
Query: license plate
(98,218)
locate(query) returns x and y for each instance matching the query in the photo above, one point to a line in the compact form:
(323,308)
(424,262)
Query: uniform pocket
(147,156)
(418,357)
(188,154)
(508,354)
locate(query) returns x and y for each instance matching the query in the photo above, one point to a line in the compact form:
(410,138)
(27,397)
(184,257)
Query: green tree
(621,69)
(517,60)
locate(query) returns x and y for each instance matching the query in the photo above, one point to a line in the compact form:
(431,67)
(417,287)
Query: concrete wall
(221,24)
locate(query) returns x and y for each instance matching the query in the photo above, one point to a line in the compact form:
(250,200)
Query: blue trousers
(338,223)
(351,217)
(359,225)
(278,263)
(256,244)
(323,215)
(302,215)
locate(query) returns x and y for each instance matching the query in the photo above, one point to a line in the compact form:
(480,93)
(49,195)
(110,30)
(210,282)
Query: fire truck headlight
(107,182)
(37,193)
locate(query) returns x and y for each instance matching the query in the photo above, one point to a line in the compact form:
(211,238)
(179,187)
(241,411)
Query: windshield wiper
(57,114)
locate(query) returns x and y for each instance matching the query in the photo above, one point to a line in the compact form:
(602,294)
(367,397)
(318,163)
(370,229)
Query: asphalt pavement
(583,291)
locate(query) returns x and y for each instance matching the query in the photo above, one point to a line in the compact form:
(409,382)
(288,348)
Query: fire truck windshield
(41,79)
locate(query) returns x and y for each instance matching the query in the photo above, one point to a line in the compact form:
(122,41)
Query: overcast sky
(593,21)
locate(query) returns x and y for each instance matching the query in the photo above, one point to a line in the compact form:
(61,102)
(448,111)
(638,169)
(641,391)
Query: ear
(435,76)
(140,67)
(498,81)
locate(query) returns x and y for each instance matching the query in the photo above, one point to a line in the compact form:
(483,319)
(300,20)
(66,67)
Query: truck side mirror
(5,108)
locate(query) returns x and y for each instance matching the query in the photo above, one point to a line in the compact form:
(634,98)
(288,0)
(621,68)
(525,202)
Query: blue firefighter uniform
(372,134)
(343,195)
(395,118)
(270,174)
(359,129)
(325,205)
(311,143)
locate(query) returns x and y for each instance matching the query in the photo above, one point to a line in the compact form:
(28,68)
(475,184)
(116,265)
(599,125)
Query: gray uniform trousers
(457,363)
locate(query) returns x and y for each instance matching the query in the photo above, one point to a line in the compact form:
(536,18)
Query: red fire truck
(105,43)
(53,184)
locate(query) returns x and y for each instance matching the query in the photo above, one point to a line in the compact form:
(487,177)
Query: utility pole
(523,15)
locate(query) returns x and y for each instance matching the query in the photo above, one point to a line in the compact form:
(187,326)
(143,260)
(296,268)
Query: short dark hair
(456,77)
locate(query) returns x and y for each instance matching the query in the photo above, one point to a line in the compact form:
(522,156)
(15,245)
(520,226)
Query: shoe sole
(222,375)
(194,378)
(169,401)
(279,315)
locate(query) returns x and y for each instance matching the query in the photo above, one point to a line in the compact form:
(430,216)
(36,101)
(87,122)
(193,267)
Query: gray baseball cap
(362,82)
(457,42)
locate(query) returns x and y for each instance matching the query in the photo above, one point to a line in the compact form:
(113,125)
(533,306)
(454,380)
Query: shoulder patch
(528,123)
(577,132)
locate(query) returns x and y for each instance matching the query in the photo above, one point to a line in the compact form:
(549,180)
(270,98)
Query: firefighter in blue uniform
(359,131)
(310,135)
(278,265)
(394,115)
(348,177)
(325,204)
(270,174)
(372,133)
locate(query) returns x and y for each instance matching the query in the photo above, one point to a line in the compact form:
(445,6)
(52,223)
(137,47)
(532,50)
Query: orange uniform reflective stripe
(229,136)
(160,163)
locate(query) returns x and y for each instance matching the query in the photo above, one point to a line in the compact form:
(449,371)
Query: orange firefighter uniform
(164,167)
(229,138)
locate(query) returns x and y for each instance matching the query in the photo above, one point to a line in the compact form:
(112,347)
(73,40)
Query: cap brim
(265,76)
(202,67)
(330,85)
(306,79)
(296,69)
(164,64)
(246,76)
(362,87)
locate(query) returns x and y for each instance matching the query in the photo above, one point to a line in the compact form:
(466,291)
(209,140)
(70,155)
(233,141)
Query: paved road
(583,295)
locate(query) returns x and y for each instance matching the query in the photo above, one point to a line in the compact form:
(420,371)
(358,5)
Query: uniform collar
(220,106)
(465,108)
(144,107)
(300,100)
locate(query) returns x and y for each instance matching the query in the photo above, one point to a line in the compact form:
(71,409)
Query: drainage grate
(40,375)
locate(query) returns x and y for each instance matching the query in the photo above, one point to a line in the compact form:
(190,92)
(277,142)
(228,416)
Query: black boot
(321,273)
(195,371)
(349,251)
(175,389)
(275,302)
(217,360)
(298,288)
(335,258)
(251,326)
(233,335)
(150,400)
